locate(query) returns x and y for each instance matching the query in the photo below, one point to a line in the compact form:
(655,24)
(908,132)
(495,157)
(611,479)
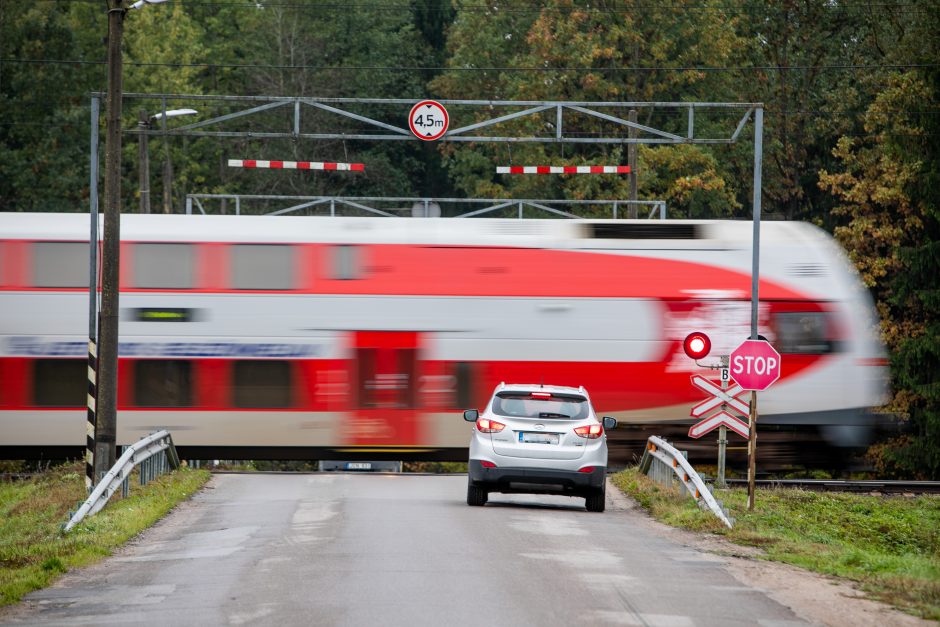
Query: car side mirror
(609,423)
(471,415)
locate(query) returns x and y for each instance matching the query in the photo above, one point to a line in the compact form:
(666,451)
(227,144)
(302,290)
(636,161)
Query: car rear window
(541,405)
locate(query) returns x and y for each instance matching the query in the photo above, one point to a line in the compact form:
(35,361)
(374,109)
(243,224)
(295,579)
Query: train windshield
(541,405)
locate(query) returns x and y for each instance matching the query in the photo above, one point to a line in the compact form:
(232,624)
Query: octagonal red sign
(755,365)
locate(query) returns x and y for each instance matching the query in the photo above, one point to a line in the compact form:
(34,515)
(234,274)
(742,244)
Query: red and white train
(316,337)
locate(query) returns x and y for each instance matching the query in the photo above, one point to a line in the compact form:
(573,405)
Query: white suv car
(538,439)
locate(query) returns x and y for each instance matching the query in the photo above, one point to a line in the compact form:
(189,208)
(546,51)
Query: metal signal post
(106,428)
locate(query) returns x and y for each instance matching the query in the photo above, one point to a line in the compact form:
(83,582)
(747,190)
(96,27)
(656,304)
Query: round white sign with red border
(428,120)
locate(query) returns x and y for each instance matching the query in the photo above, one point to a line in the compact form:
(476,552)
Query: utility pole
(106,430)
(143,162)
(167,183)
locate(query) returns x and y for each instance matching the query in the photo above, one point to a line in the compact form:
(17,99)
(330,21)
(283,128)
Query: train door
(385,370)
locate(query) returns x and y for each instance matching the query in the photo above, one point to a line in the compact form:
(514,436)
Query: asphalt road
(327,549)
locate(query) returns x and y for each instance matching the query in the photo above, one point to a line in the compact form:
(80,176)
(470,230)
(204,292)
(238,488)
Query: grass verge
(33,549)
(889,545)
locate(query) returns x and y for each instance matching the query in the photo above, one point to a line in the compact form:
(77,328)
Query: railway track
(830,485)
(872,486)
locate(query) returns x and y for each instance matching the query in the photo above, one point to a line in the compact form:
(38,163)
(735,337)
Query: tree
(799,65)
(893,235)
(44,129)
(567,50)
(322,51)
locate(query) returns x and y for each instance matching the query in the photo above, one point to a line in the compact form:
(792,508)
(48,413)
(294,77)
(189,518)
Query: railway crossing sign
(755,365)
(721,418)
(428,120)
(719,397)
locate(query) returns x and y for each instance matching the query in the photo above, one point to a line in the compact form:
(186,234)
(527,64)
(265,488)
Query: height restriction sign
(428,120)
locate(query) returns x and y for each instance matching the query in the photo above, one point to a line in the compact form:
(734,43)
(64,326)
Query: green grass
(33,549)
(889,545)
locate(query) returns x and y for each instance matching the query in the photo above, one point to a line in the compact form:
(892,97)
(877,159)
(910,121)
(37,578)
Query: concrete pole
(143,162)
(106,430)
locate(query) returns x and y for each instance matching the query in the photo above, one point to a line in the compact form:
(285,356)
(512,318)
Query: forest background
(851,140)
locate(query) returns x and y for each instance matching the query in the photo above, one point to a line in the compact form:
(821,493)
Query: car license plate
(358,466)
(538,438)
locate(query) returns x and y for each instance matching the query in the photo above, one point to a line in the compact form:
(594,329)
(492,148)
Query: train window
(60,264)
(60,382)
(262,267)
(163,266)
(347,262)
(263,383)
(803,333)
(465,380)
(163,383)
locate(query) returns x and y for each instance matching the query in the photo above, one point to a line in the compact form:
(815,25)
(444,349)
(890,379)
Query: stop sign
(755,365)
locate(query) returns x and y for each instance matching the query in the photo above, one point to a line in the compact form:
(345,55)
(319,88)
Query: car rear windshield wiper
(548,414)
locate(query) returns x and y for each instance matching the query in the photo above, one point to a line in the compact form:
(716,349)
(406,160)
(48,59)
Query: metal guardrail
(664,464)
(142,452)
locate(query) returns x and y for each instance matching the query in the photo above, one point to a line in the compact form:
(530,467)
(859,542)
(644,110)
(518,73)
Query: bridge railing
(663,463)
(143,452)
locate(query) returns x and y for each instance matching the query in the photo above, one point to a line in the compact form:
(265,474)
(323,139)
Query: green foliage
(791,44)
(689,180)
(893,235)
(43,127)
(33,549)
(891,546)
(435,467)
(538,54)
(196,48)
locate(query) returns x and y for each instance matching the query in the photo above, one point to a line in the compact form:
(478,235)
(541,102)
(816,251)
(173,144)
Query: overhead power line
(531,8)
(541,69)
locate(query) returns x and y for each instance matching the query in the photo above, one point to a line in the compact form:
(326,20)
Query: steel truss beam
(412,206)
(474,112)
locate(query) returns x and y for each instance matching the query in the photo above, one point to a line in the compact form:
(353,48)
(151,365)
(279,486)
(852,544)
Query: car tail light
(543,395)
(587,469)
(485,425)
(487,464)
(591,432)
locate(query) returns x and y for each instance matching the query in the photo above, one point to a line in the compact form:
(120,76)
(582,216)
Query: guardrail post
(125,485)
(683,490)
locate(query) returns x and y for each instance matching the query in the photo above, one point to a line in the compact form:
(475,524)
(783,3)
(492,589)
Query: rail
(664,463)
(138,453)
(836,485)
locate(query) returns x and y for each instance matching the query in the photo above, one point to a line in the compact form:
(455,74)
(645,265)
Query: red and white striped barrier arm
(563,169)
(296,165)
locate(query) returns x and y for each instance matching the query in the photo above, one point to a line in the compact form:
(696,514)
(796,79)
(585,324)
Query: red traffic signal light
(697,345)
